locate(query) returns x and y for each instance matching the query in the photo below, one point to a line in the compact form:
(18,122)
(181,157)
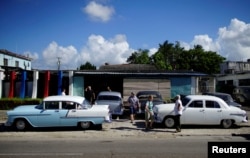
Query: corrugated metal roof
(173,73)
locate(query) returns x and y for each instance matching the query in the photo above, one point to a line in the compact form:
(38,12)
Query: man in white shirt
(178,112)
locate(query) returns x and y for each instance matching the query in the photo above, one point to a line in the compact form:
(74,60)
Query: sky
(109,31)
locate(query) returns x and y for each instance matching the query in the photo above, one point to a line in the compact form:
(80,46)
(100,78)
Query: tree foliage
(167,55)
(87,66)
(139,57)
(174,57)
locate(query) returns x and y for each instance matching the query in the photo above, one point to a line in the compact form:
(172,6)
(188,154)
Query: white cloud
(66,55)
(152,51)
(233,42)
(99,50)
(33,56)
(206,42)
(99,12)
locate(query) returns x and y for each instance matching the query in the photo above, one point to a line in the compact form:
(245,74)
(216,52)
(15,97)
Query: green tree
(139,57)
(173,57)
(167,55)
(199,60)
(87,66)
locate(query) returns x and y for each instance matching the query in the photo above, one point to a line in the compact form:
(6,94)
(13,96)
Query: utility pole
(58,62)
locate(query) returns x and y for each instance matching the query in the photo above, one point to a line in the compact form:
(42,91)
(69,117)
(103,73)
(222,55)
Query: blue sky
(101,31)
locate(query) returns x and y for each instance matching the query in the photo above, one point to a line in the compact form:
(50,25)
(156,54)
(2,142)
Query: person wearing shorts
(149,114)
(133,104)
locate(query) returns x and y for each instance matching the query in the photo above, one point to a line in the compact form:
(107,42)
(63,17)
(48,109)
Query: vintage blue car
(113,99)
(58,111)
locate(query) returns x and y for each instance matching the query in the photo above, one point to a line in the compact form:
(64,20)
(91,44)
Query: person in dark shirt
(90,95)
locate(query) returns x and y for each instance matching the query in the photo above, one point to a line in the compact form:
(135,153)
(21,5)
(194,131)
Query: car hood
(169,106)
(25,107)
(234,108)
(21,109)
(233,104)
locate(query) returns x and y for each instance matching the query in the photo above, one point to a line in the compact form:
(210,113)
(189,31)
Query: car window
(51,105)
(84,105)
(196,104)
(108,97)
(68,105)
(212,104)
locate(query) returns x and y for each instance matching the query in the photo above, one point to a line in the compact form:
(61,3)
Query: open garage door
(139,84)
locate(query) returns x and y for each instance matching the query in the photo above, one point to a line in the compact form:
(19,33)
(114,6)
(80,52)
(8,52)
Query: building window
(5,62)
(17,63)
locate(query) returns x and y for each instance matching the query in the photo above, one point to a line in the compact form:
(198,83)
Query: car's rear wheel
(21,124)
(84,125)
(227,123)
(169,122)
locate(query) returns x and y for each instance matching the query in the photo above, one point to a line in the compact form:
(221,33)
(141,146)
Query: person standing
(64,92)
(108,89)
(90,95)
(133,104)
(149,114)
(178,112)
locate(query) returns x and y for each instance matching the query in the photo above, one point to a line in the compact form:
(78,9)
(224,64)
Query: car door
(68,114)
(213,112)
(193,113)
(50,115)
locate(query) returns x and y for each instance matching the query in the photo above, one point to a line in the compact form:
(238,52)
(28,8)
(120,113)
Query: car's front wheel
(227,123)
(84,125)
(169,122)
(21,124)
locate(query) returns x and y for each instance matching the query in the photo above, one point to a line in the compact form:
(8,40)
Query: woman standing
(149,114)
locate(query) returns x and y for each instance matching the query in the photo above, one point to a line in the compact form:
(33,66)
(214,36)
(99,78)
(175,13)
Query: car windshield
(229,98)
(40,106)
(185,101)
(226,98)
(108,97)
(145,96)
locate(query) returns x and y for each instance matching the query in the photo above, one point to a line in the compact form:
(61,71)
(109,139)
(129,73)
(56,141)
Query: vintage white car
(56,111)
(201,110)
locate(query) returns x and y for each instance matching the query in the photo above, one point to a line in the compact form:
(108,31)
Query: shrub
(10,103)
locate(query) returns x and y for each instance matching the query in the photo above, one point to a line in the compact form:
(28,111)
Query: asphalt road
(180,146)
(117,139)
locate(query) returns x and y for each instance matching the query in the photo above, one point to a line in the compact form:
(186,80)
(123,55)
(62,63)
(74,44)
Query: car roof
(202,97)
(113,93)
(78,99)
(216,93)
(208,97)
